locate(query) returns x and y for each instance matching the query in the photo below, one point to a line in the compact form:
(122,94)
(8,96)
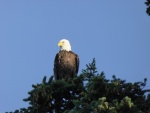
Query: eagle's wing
(77,63)
(56,66)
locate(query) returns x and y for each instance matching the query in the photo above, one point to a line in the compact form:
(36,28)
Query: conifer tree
(90,92)
(148,7)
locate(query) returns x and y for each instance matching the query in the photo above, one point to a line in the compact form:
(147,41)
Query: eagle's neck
(66,48)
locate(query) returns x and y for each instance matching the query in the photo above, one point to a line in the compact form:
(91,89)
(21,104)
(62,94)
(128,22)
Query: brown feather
(66,65)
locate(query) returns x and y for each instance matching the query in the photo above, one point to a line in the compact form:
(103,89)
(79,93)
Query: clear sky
(116,33)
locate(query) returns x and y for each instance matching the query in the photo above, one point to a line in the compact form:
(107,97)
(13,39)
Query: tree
(148,7)
(90,92)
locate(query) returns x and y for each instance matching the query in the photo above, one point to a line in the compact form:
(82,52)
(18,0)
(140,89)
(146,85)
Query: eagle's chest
(65,61)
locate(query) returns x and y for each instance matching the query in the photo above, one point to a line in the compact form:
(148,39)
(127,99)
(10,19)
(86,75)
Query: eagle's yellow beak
(60,44)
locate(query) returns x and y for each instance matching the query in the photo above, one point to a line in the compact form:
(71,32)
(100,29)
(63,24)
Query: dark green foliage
(90,92)
(148,7)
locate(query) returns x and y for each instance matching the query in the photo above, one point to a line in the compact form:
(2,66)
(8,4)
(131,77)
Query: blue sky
(116,33)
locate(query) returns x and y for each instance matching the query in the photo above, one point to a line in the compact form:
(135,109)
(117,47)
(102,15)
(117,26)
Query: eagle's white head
(64,44)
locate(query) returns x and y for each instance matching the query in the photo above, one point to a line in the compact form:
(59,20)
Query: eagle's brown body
(66,65)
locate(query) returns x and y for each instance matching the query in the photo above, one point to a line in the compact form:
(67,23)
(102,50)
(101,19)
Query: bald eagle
(66,63)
